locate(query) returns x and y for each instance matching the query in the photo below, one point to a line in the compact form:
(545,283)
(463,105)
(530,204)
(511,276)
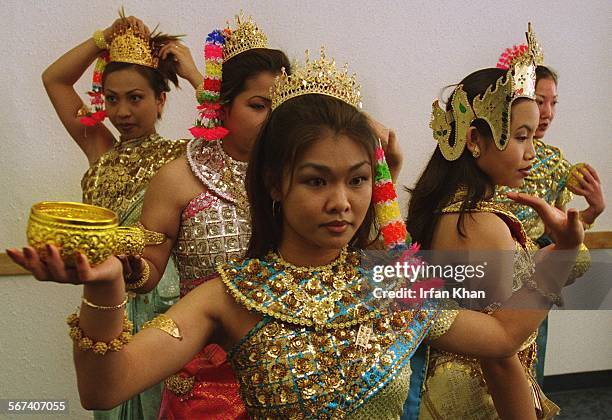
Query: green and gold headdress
(493,106)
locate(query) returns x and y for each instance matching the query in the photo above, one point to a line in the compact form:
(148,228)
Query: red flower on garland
(385,192)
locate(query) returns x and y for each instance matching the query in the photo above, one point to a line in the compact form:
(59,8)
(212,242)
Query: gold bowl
(94,231)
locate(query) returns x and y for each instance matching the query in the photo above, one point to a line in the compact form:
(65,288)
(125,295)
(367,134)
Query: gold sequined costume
(325,347)
(214,228)
(455,386)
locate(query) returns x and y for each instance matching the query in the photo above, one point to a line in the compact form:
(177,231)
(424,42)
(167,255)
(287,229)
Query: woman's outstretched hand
(564,226)
(52,267)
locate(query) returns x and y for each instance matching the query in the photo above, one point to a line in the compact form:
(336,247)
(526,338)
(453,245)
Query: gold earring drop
(476,152)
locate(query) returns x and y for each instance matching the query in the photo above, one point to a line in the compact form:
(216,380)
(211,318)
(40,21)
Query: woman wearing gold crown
(131,79)
(551,177)
(205,196)
(485,139)
(305,334)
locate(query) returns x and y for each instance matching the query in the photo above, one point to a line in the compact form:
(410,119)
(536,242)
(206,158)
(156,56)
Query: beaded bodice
(325,348)
(213,228)
(547,180)
(119,177)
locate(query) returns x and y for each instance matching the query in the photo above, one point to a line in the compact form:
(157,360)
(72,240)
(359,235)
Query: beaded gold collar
(327,297)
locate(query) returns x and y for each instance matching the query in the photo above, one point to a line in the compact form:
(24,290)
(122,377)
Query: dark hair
(156,78)
(543,72)
(238,69)
(439,181)
(289,131)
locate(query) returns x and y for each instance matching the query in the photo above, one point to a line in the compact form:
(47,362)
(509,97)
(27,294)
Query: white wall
(403,53)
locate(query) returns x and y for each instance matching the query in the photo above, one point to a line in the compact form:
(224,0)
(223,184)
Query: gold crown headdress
(246,36)
(317,76)
(493,107)
(129,46)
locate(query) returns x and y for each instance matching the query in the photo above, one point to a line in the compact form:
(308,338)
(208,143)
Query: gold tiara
(128,46)
(318,76)
(246,36)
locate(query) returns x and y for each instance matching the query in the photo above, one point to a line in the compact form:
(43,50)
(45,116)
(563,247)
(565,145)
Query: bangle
(85,343)
(100,40)
(104,308)
(144,277)
(553,297)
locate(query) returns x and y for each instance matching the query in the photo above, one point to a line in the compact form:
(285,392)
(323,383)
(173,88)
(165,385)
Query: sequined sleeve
(444,320)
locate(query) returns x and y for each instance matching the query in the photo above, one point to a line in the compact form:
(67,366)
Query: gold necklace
(333,275)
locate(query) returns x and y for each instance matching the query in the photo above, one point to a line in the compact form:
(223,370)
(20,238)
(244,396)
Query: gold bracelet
(144,277)
(104,308)
(553,297)
(100,40)
(85,343)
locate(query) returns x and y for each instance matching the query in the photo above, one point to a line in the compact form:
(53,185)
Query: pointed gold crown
(318,76)
(525,52)
(246,36)
(128,46)
(535,49)
(493,106)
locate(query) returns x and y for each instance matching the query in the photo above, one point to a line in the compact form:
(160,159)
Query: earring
(476,152)
(274,208)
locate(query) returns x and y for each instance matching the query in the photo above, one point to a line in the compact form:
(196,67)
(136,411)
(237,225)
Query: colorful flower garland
(387,208)
(96,96)
(396,238)
(208,124)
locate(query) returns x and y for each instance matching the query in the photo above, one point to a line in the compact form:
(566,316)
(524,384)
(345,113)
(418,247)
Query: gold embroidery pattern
(289,368)
(117,178)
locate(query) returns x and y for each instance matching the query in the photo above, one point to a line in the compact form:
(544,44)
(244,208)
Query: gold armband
(166,324)
(582,264)
(85,343)
(151,237)
(445,318)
